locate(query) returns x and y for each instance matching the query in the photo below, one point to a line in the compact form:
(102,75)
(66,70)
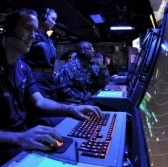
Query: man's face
(87,50)
(25,29)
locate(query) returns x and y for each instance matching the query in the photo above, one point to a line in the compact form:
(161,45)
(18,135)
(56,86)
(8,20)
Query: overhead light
(1,30)
(97,18)
(122,28)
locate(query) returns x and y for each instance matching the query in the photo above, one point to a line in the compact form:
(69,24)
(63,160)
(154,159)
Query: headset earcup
(43,17)
(9,26)
(81,50)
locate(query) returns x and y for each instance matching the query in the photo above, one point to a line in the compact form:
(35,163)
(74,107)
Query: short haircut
(45,12)
(79,46)
(13,17)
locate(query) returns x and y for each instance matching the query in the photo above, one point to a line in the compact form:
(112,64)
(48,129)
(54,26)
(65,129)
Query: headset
(10,23)
(45,15)
(79,47)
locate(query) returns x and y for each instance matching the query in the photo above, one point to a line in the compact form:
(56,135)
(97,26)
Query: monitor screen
(153,109)
(142,55)
(145,53)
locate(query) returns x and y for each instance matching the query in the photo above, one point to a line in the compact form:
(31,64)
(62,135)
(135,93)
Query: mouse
(53,147)
(59,143)
(62,146)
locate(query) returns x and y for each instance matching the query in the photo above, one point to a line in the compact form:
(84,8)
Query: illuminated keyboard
(90,131)
(97,149)
(116,88)
(102,149)
(113,88)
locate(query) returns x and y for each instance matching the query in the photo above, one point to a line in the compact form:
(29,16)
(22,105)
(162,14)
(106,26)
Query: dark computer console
(150,116)
(94,143)
(111,98)
(120,96)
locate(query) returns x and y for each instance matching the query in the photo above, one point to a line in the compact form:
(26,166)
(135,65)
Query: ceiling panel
(74,20)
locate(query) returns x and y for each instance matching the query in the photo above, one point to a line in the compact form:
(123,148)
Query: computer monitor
(150,120)
(151,54)
(154,115)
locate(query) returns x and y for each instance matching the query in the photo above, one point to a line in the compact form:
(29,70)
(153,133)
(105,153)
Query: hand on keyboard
(81,111)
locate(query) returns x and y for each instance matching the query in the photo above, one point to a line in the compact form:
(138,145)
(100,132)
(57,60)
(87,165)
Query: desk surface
(113,158)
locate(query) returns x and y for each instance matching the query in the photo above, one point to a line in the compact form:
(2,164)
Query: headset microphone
(50,21)
(23,39)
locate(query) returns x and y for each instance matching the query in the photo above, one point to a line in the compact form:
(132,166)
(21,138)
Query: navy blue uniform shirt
(16,81)
(42,55)
(76,81)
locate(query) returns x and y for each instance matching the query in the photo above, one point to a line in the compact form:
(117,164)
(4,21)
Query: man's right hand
(37,137)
